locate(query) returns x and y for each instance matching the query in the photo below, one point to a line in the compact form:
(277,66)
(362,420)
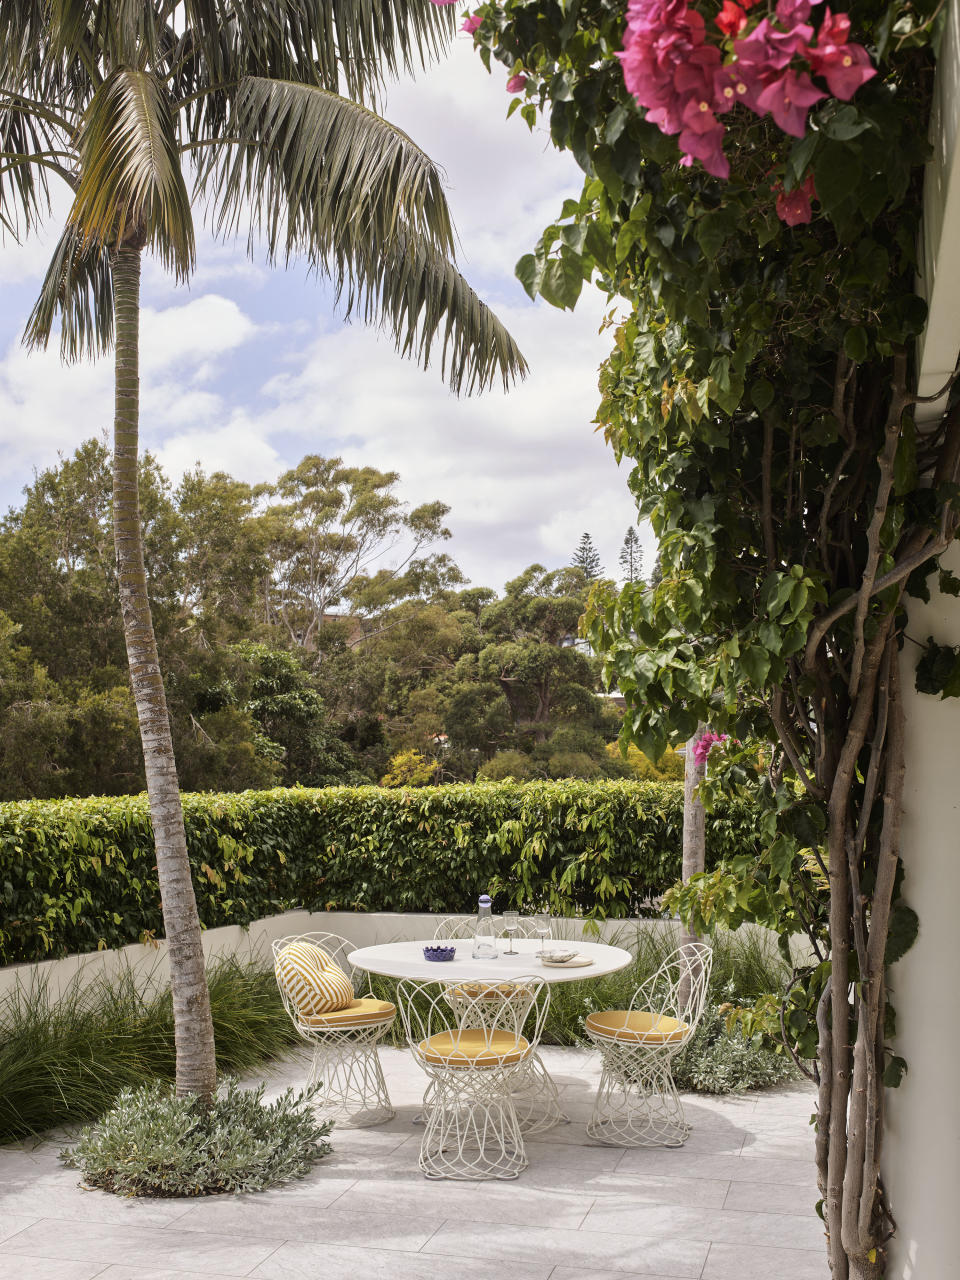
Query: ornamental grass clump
(152,1143)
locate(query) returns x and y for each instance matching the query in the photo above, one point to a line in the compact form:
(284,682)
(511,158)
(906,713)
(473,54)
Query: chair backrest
(337,948)
(456,928)
(490,1016)
(678,989)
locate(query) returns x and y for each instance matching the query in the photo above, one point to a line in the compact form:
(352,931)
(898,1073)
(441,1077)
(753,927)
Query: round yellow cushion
(473,1047)
(636,1024)
(357,1013)
(312,980)
(480,990)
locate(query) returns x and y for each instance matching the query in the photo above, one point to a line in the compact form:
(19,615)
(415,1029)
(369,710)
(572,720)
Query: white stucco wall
(921,1164)
(363,929)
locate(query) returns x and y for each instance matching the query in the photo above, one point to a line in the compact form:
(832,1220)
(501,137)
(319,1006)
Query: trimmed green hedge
(78,875)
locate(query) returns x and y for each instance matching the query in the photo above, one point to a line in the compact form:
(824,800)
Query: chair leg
(353,1091)
(637,1104)
(535,1098)
(471,1131)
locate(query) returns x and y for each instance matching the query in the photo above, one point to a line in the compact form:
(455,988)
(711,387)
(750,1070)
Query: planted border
(79,875)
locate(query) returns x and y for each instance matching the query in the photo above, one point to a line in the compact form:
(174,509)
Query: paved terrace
(736,1203)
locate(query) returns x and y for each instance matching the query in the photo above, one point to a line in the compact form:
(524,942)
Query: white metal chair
(458,928)
(637,1104)
(535,1095)
(345,1059)
(473,1049)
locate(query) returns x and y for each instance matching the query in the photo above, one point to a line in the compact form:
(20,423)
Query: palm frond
(353,44)
(321,175)
(131,182)
(78,288)
(421,298)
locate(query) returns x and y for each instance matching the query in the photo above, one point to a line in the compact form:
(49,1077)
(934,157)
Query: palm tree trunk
(694,821)
(193,1026)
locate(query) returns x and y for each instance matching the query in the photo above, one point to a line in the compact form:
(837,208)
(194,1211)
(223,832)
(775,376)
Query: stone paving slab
(735,1203)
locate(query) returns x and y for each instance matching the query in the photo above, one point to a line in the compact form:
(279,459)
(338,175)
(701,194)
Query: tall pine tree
(587,558)
(631,557)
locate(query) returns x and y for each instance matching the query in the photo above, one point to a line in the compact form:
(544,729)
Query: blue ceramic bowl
(439,953)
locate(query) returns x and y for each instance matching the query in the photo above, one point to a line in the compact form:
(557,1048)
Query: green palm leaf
(131,184)
(78,289)
(423,301)
(322,175)
(350,43)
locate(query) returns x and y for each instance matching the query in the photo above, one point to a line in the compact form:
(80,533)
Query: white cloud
(47,406)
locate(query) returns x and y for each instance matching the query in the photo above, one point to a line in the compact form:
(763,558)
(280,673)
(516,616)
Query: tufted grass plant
(65,1060)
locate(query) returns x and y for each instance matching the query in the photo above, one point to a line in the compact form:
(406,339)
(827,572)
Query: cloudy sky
(248,370)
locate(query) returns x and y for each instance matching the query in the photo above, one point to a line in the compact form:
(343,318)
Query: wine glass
(511,923)
(542,924)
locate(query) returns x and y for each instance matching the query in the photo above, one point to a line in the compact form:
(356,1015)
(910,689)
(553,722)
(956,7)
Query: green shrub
(77,875)
(152,1143)
(66,1060)
(516,766)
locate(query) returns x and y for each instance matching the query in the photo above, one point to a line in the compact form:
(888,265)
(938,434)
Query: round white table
(405,960)
(537,1100)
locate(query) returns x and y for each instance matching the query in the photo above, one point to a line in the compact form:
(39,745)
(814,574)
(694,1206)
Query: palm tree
(264,116)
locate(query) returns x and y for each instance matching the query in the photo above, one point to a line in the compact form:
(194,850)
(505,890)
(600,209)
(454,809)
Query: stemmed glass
(541,922)
(511,923)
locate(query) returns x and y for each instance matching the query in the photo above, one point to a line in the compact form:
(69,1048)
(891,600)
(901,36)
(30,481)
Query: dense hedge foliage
(78,875)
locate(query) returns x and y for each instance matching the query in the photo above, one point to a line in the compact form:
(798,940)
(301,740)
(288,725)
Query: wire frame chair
(535,1095)
(346,1064)
(459,928)
(473,1048)
(637,1104)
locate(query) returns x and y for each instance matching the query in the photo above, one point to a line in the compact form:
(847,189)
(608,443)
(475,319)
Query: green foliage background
(78,875)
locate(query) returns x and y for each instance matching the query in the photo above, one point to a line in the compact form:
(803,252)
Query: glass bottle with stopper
(484,937)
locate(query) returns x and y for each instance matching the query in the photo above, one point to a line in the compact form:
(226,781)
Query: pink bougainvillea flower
(845,68)
(793,207)
(517,84)
(731,19)
(791,12)
(769,49)
(471,24)
(789,99)
(702,138)
(834,29)
(735,84)
(703,746)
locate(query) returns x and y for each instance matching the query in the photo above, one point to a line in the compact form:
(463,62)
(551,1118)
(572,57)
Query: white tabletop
(405,960)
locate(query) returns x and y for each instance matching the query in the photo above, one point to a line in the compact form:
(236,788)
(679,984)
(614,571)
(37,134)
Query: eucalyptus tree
(263,115)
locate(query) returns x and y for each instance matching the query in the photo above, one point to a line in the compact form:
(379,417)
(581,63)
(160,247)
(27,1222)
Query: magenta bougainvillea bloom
(516,84)
(703,746)
(789,99)
(684,83)
(845,68)
(793,207)
(470,24)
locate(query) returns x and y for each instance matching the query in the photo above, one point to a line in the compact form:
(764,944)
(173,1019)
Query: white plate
(577,962)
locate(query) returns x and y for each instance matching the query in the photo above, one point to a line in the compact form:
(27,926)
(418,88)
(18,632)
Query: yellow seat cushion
(473,990)
(357,1013)
(312,980)
(474,1047)
(637,1025)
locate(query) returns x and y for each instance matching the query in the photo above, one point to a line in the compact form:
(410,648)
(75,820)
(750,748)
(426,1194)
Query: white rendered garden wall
(921,1161)
(150,962)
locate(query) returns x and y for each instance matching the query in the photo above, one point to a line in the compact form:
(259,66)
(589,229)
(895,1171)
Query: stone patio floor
(736,1203)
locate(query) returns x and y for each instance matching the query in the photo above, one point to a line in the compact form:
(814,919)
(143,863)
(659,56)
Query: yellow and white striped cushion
(312,980)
